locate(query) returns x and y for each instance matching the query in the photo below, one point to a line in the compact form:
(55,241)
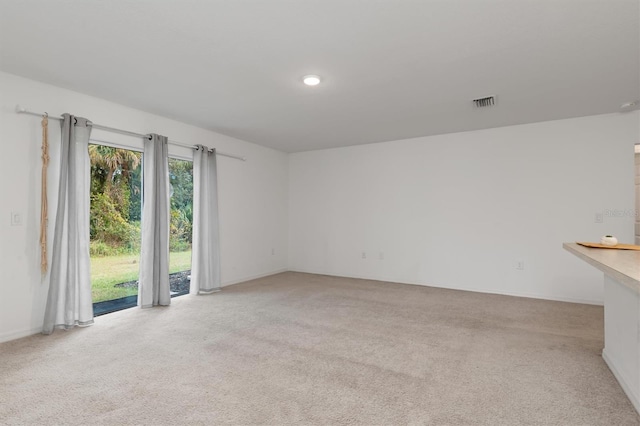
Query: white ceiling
(392,69)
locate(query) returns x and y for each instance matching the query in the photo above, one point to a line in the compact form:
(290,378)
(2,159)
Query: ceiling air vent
(484,102)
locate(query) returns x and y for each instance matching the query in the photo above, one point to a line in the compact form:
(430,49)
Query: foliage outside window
(181,181)
(115,200)
(115,217)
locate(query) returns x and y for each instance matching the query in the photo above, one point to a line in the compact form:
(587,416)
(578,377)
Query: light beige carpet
(306,349)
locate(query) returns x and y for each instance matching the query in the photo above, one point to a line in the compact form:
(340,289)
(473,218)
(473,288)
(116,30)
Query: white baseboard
(13,335)
(475,290)
(5,337)
(253,277)
(623,383)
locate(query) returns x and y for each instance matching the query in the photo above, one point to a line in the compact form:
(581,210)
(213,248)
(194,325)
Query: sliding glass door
(116,190)
(116,207)
(180,230)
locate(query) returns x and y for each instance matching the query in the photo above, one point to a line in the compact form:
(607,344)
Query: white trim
(13,335)
(473,290)
(181,157)
(101,142)
(623,384)
(253,277)
(18,334)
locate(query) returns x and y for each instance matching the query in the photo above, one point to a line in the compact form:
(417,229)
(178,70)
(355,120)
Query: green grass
(108,271)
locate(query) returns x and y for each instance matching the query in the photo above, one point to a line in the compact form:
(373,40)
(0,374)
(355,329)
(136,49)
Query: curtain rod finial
(20,108)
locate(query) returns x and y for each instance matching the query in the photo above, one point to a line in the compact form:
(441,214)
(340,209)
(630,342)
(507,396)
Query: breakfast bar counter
(621,351)
(624,265)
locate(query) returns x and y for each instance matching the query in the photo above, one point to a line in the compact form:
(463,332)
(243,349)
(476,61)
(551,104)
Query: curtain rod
(22,110)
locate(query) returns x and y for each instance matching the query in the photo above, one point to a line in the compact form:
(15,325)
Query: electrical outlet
(520,265)
(16,219)
(273,252)
(599,218)
(364,255)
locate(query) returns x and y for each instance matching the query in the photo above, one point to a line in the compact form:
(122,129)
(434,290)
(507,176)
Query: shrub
(179,231)
(177,245)
(98,248)
(109,229)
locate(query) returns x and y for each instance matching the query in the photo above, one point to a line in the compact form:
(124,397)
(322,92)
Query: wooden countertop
(623,265)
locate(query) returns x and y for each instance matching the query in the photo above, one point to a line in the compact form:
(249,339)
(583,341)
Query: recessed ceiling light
(311,80)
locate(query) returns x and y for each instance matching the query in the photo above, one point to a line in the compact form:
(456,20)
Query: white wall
(637,212)
(454,211)
(252,194)
(459,210)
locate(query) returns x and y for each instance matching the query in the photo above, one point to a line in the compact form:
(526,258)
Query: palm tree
(113,160)
(112,176)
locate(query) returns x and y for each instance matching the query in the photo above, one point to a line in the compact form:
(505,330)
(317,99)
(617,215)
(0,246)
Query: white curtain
(69,301)
(205,258)
(153,288)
